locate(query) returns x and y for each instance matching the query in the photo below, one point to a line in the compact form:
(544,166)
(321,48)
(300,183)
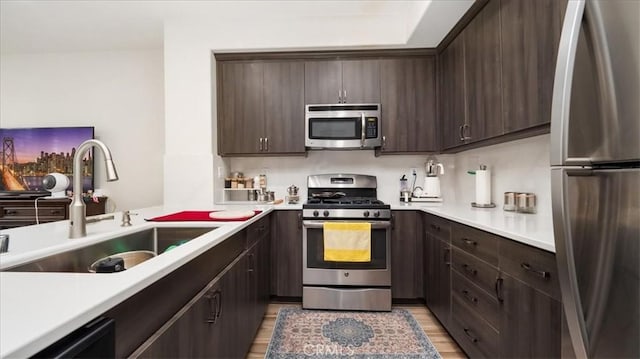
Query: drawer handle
(466,294)
(469,333)
(498,288)
(212,299)
(469,242)
(437,228)
(447,255)
(543,274)
(55,211)
(469,270)
(9,211)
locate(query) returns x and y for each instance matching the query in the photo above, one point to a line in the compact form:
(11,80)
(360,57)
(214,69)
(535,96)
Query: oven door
(317,271)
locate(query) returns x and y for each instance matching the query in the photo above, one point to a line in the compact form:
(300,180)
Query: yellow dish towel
(347,242)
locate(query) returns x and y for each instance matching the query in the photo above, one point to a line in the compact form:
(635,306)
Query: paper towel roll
(483,187)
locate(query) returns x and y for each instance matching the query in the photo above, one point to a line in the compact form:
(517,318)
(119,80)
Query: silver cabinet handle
(344,98)
(464,132)
(261,139)
(362,132)
(266,143)
(461,129)
(384,142)
(339,96)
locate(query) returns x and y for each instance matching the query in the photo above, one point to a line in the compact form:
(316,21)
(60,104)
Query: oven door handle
(374,224)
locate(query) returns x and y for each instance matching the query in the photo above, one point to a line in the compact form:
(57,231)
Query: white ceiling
(87,25)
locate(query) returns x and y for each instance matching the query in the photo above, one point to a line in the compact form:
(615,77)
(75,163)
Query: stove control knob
(316,214)
(325,213)
(376,214)
(366,214)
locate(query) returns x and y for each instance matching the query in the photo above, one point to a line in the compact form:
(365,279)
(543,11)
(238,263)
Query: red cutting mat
(196,216)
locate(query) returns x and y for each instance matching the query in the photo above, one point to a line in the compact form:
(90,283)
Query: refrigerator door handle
(561,99)
(567,274)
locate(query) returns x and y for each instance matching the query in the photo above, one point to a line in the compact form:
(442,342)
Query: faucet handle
(126,218)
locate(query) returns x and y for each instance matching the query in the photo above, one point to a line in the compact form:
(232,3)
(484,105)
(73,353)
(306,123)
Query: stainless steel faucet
(77,209)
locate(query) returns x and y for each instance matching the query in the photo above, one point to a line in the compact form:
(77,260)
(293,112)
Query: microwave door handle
(362,134)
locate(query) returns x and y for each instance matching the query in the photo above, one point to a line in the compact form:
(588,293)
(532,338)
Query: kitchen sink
(156,239)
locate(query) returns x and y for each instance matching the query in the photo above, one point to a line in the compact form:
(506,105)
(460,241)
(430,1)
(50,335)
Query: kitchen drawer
(45,213)
(259,230)
(472,333)
(479,301)
(478,272)
(438,227)
(533,266)
(479,243)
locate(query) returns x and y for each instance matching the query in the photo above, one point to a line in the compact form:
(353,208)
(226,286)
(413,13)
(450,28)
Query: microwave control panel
(372,127)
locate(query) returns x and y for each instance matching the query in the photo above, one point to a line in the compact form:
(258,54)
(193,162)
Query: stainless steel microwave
(342,126)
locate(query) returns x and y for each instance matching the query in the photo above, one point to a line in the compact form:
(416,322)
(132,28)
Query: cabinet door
(408,105)
(194,331)
(437,281)
(530,35)
(242,122)
(322,82)
(406,255)
(452,93)
(530,322)
(284,107)
(482,73)
(361,81)
(286,254)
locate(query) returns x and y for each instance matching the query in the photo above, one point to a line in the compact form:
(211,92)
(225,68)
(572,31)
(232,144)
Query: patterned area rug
(302,333)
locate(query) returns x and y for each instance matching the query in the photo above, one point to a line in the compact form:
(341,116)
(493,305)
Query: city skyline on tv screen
(28,154)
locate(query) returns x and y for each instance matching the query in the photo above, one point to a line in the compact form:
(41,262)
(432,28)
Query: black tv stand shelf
(18,212)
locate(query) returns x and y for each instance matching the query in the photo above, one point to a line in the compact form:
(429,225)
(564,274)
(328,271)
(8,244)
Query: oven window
(334,128)
(315,252)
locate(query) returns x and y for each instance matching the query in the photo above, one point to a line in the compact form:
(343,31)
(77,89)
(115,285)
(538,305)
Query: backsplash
(521,166)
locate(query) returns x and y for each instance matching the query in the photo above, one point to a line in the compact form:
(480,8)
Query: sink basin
(79,260)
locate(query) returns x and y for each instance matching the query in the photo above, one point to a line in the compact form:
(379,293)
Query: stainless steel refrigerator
(595,174)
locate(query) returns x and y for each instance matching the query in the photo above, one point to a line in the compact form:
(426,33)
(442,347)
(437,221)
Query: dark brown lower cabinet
(406,255)
(437,279)
(206,326)
(286,254)
(531,322)
(496,302)
(222,319)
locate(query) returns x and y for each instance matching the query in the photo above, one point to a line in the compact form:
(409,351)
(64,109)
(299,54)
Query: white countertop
(37,309)
(532,229)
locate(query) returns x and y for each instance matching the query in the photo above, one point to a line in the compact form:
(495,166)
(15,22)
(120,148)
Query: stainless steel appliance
(345,285)
(595,158)
(343,126)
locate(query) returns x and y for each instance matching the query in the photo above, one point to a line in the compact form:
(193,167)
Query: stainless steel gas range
(341,284)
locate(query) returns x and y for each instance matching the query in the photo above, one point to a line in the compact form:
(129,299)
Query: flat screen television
(29,154)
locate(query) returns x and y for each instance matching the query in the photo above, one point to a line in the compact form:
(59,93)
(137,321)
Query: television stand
(18,212)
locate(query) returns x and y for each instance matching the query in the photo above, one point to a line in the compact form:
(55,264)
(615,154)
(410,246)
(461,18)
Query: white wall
(120,93)
(520,166)
(191,161)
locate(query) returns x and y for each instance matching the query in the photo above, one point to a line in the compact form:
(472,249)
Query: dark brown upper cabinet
(482,66)
(408,104)
(530,35)
(452,96)
(284,107)
(348,81)
(241,109)
(260,108)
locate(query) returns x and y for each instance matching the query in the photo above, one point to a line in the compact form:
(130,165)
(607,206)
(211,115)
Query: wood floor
(436,333)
